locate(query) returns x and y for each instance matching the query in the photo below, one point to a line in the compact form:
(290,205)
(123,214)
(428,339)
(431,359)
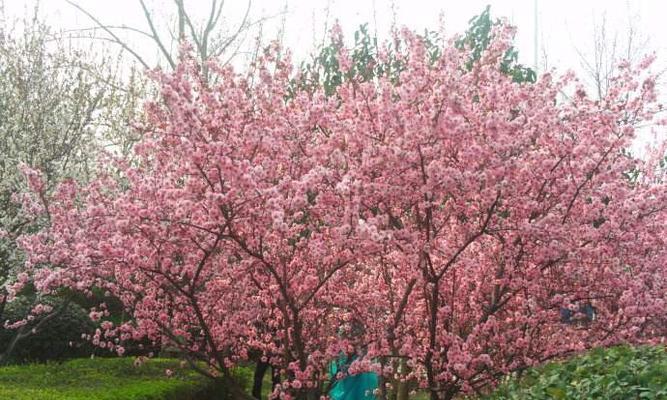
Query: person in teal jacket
(351,387)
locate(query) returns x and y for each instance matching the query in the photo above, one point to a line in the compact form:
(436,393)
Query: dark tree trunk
(260,370)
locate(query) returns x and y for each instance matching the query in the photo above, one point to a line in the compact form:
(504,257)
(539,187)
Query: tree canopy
(444,215)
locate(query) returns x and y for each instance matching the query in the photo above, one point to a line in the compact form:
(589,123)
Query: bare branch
(120,27)
(115,37)
(156,36)
(233,37)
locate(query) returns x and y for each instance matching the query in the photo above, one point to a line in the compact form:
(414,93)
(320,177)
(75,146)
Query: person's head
(352,329)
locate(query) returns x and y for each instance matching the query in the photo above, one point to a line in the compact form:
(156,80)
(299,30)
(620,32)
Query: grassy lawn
(103,379)
(616,373)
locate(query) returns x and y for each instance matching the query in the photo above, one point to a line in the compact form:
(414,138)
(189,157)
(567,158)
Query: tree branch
(156,37)
(115,37)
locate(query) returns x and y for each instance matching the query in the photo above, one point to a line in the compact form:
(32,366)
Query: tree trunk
(402,386)
(4,357)
(181,20)
(260,370)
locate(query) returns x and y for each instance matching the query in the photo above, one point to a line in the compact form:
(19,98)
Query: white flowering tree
(57,107)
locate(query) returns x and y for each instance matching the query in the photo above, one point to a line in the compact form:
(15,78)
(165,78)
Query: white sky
(565,27)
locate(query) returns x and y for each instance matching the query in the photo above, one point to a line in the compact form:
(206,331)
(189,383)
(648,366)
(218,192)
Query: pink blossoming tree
(470,225)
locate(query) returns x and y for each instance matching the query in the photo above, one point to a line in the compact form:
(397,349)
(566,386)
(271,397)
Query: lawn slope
(102,379)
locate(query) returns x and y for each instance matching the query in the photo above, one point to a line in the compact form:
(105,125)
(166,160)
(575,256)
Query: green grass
(617,373)
(102,379)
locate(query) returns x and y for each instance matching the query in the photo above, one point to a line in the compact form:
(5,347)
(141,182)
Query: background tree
(211,38)
(369,61)
(56,107)
(607,48)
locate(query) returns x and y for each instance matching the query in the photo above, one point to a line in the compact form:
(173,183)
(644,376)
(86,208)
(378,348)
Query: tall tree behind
(213,37)
(601,55)
(369,59)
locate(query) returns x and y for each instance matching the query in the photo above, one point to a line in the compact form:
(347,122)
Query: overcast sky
(565,28)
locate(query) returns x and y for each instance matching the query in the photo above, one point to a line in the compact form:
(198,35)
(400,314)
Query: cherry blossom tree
(448,217)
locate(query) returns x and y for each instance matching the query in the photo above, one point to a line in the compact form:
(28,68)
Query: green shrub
(621,373)
(108,379)
(117,315)
(57,339)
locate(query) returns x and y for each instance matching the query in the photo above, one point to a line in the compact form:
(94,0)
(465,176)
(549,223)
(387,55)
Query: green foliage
(109,379)
(477,39)
(57,339)
(616,373)
(244,377)
(117,315)
(324,68)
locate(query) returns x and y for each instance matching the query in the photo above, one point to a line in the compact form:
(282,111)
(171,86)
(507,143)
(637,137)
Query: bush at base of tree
(58,339)
(617,373)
